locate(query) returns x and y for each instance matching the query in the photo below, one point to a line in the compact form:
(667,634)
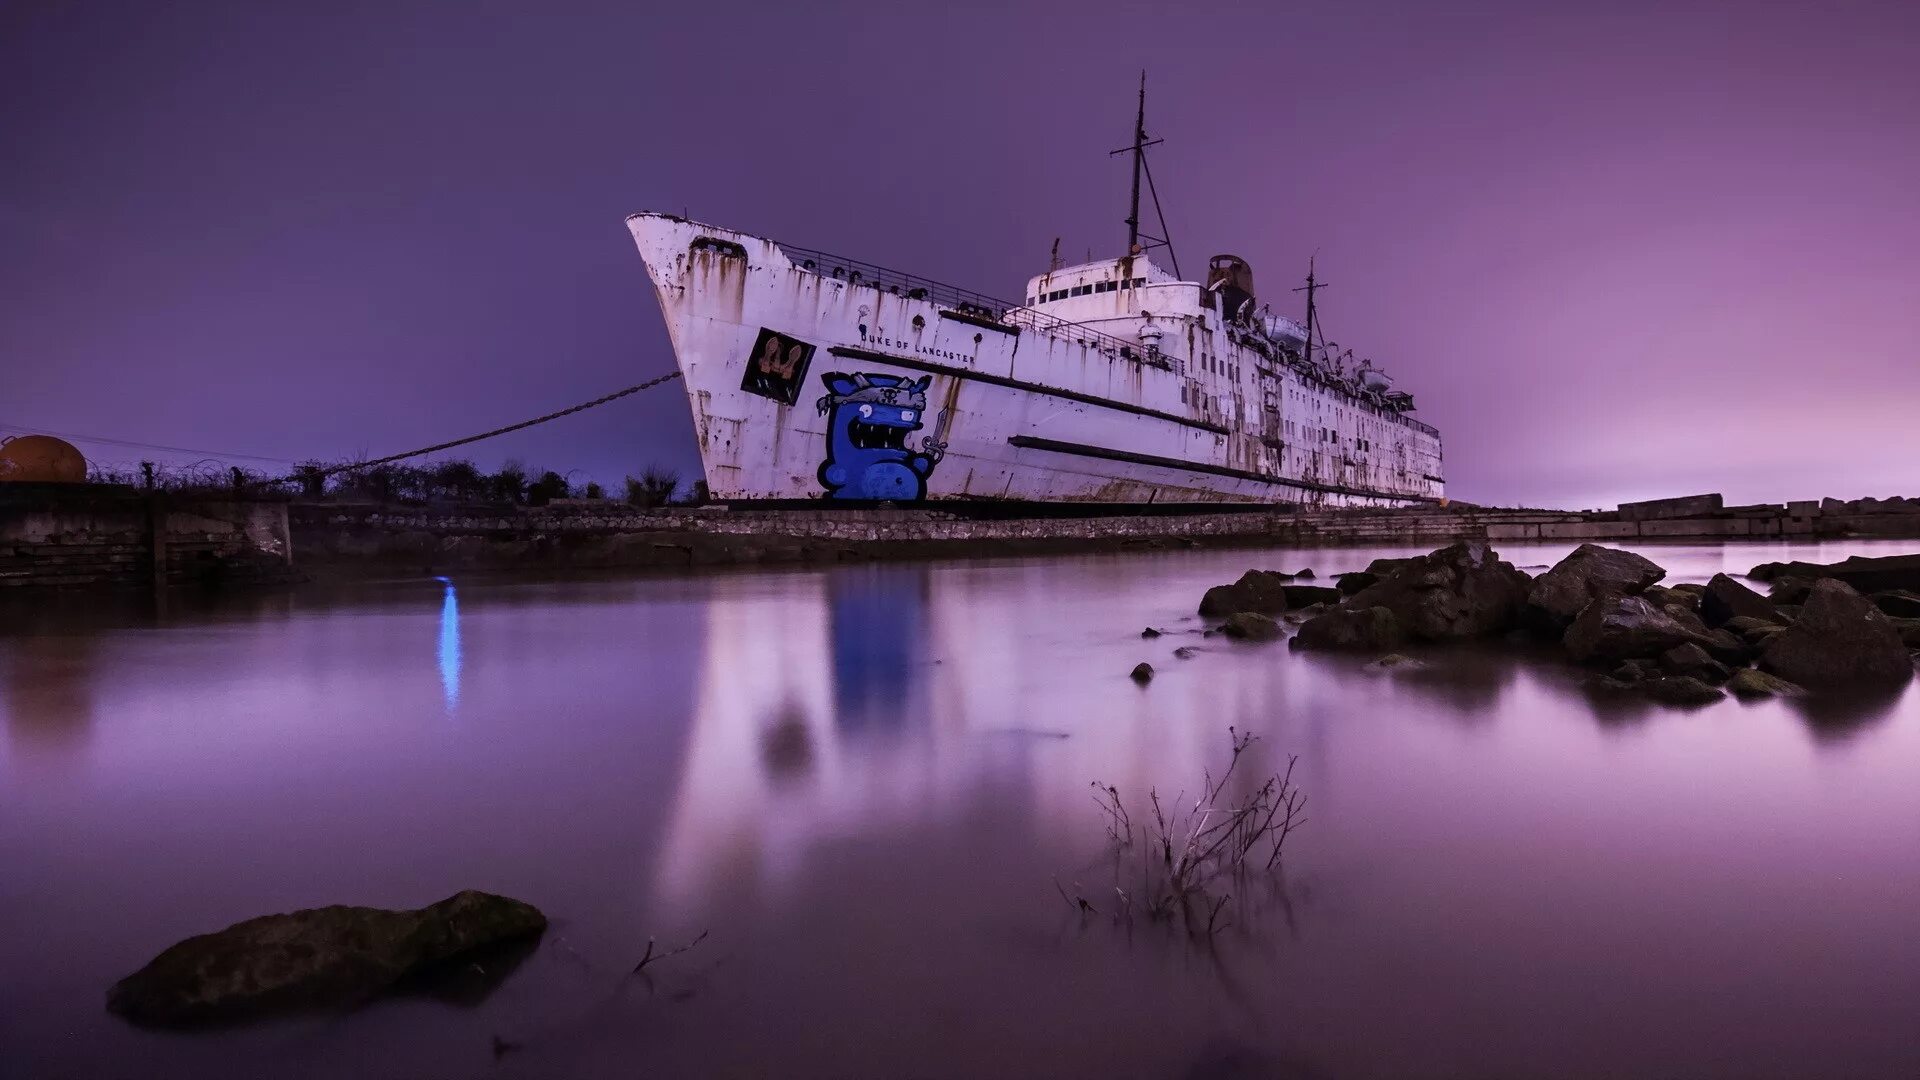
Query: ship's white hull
(807,383)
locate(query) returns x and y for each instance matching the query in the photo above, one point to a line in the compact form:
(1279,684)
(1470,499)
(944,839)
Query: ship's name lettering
(921,350)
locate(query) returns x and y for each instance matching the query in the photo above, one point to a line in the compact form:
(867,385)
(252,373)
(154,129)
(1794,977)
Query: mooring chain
(321,474)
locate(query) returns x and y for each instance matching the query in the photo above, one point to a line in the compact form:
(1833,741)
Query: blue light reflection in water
(450,644)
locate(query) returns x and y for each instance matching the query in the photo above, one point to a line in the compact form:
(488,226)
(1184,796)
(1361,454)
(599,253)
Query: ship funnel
(1233,279)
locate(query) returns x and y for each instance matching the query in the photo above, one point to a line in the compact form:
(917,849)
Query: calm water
(864,780)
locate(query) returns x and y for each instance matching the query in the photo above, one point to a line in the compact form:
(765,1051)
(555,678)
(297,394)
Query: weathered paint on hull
(1018,414)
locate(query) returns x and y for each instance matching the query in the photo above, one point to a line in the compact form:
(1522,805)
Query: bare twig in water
(1194,847)
(650,958)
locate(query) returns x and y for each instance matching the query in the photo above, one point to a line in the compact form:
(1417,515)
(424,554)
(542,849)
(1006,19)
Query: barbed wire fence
(381,478)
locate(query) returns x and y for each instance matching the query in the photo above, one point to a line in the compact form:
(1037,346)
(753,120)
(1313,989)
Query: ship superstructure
(816,377)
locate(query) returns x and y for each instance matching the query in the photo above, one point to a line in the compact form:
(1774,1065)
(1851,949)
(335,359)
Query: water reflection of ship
(793,684)
(878,634)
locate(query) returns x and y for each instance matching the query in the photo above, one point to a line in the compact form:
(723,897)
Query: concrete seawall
(341,538)
(103,536)
(97,536)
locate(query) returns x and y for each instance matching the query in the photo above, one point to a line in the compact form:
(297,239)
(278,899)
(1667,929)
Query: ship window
(1124,284)
(1029,301)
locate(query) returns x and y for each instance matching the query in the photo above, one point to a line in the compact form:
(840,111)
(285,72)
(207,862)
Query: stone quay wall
(336,537)
(107,536)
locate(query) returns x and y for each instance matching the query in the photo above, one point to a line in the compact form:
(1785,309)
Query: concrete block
(1684,506)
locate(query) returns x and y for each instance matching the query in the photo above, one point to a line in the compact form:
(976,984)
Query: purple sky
(1617,254)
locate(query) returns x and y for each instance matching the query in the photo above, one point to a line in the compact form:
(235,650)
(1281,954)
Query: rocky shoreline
(1821,629)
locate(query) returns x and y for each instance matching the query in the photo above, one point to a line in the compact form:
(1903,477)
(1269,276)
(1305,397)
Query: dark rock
(1728,647)
(1726,599)
(1559,594)
(1304,575)
(1299,596)
(1460,591)
(1615,628)
(1606,685)
(1396,662)
(1899,604)
(1356,581)
(1351,629)
(1909,631)
(1250,626)
(1691,659)
(1746,625)
(1686,617)
(1300,615)
(1149,632)
(1142,673)
(1257,590)
(1840,639)
(1863,574)
(1680,690)
(1634,670)
(1185,652)
(1385,567)
(1754,683)
(1661,596)
(1688,588)
(1789,590)
(315,958)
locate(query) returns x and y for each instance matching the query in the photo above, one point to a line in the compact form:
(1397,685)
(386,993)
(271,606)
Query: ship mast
(1139,152)
(1312,286)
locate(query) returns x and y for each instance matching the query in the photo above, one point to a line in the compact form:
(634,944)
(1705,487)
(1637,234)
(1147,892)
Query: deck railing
(966,301)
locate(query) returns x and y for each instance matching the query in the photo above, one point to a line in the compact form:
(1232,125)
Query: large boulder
(1351,629)
(1559,594)
(1840,639)
(1726,599)
(1262,591)
(1461,591)
(315,958)
(1615,628)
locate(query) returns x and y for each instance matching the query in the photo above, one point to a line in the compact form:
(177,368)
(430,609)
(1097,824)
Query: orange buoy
(41,459)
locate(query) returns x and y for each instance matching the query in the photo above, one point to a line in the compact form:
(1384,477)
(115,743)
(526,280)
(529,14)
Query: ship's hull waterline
(810,381)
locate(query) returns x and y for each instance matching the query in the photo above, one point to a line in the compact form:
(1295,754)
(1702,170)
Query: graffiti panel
(777,367)
(869,417)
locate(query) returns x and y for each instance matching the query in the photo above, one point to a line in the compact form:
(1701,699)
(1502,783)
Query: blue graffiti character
(868,420)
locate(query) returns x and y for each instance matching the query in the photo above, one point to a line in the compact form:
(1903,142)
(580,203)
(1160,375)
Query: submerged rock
(1299,596)
(1754,683)
(1250,626)
(1900,604)
(1142,673)
(314,958)
(1351,629)
(1460,591)
(1559,594)
(1726,599)
(1261,591)
(1396,662)
(1680,690)
(1867,575)
(1354,582)
(1149,632)
(1840,639)
(1185,652)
